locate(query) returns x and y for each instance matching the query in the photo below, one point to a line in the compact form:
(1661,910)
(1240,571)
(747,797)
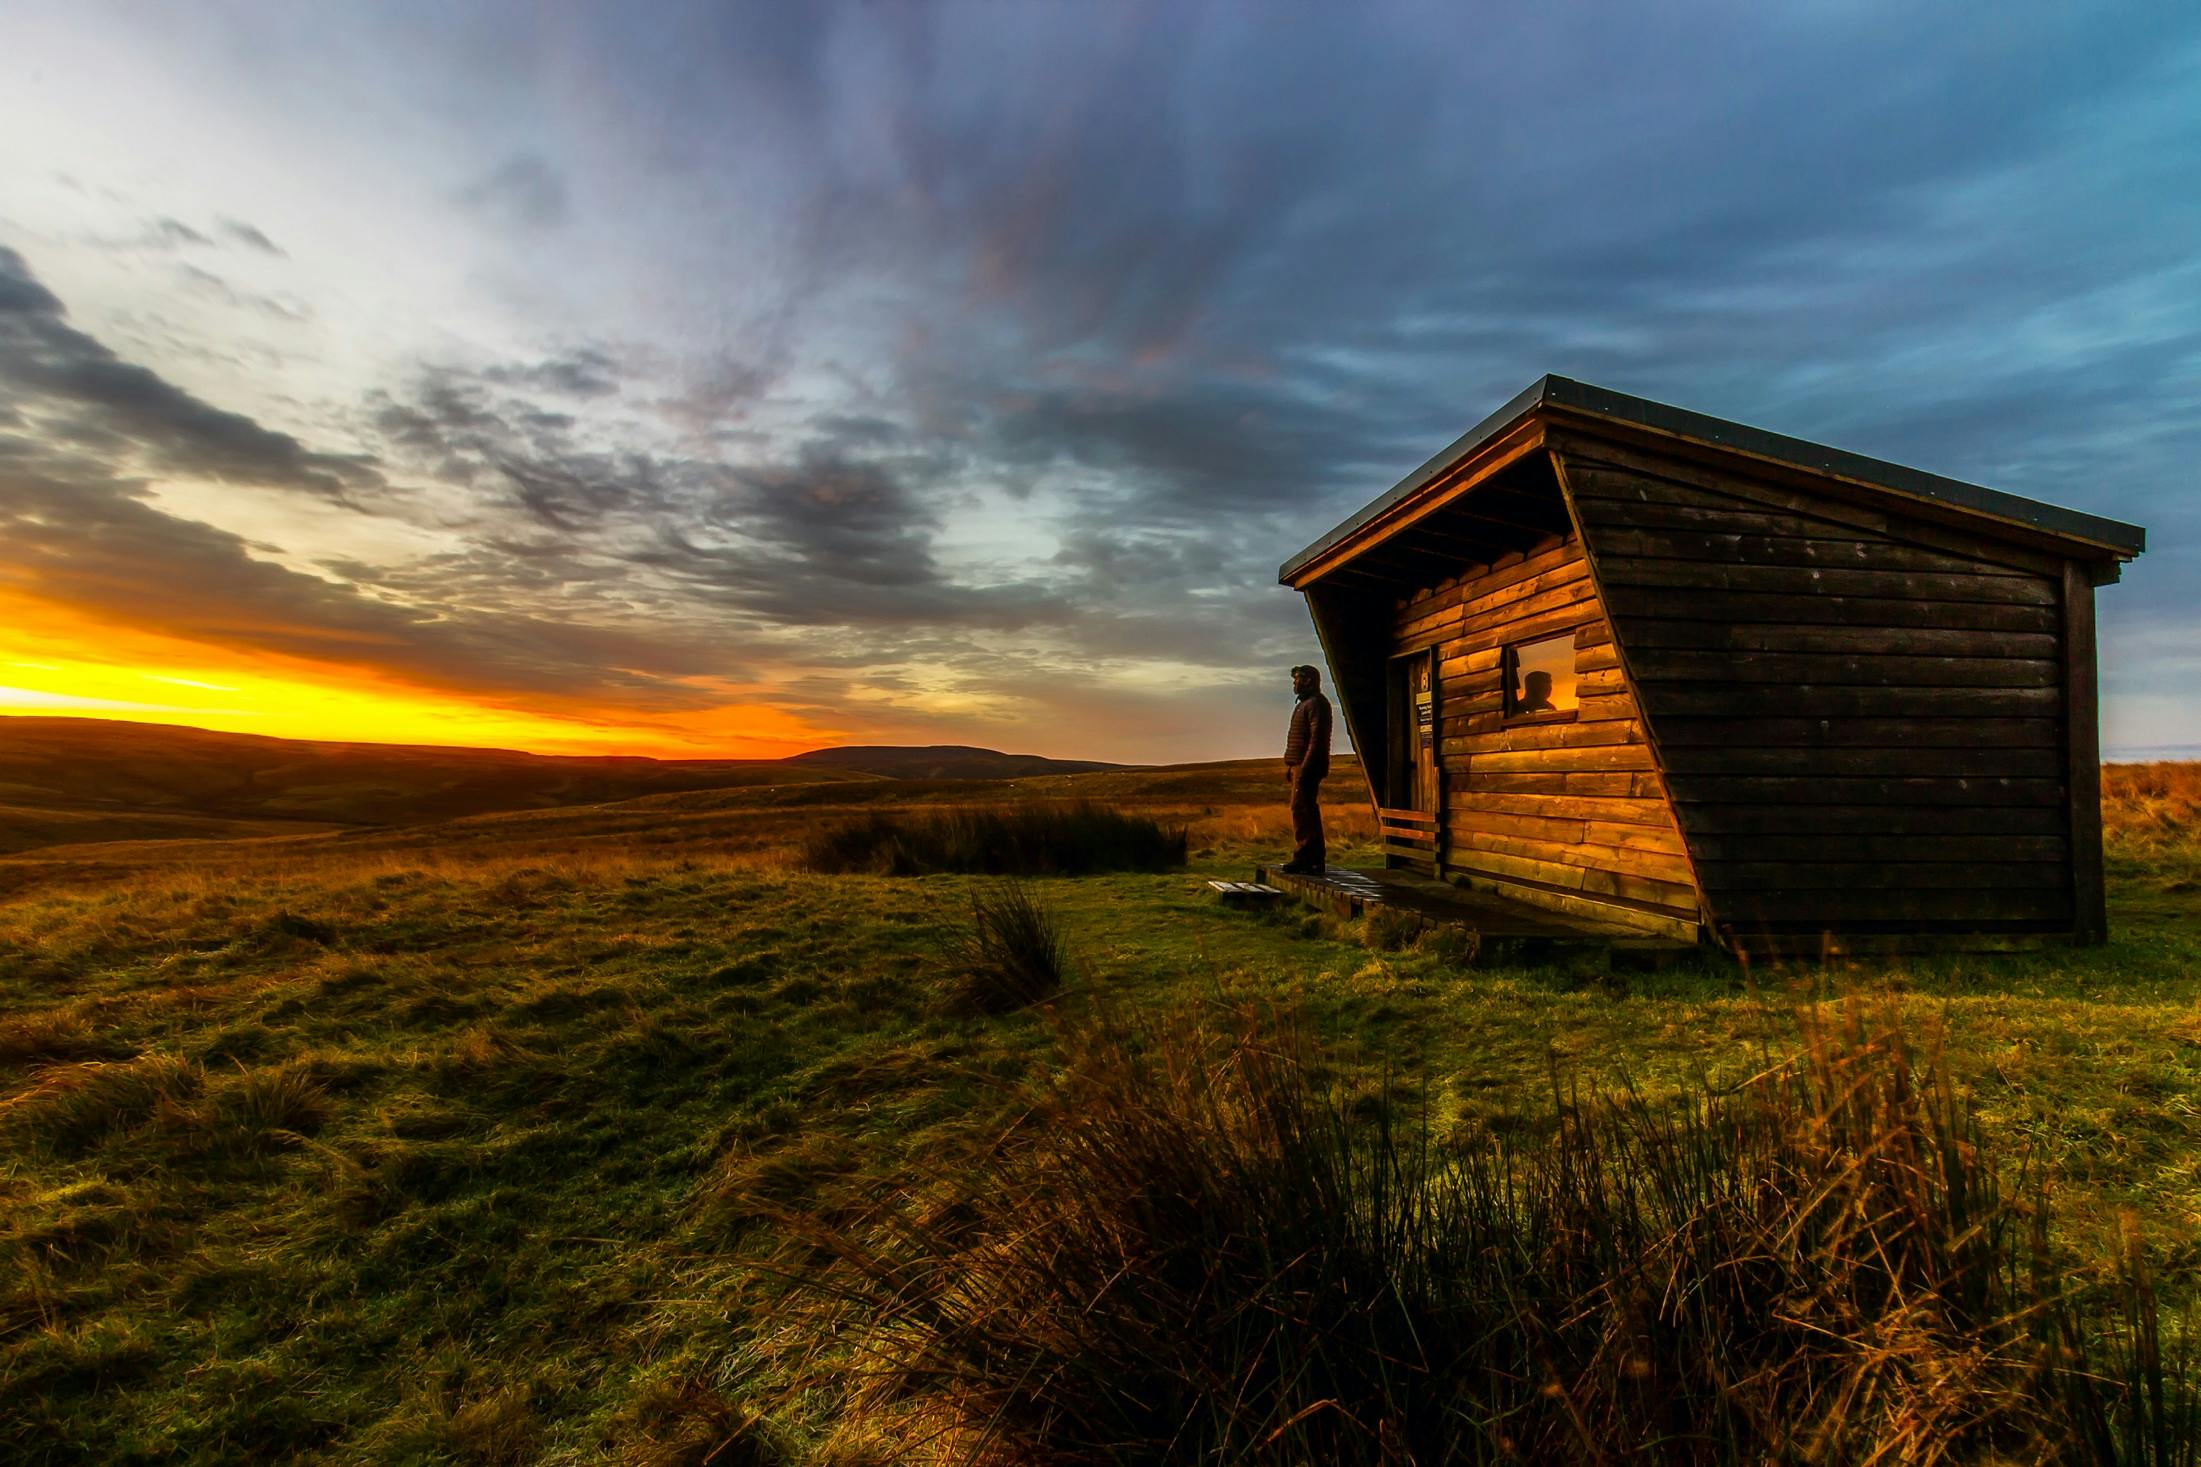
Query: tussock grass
(1072,838)
(51,1035)
(1191,1252)
(70,1108)
(1016,954)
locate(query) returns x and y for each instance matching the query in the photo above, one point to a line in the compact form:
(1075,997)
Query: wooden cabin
(1631,663)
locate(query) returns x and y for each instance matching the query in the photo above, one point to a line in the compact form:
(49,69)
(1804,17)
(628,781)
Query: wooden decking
(1346,892)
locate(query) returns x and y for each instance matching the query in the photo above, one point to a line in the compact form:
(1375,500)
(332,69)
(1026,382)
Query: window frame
(1509,663)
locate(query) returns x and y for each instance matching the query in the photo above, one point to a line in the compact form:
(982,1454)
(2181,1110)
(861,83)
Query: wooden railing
(1409,836)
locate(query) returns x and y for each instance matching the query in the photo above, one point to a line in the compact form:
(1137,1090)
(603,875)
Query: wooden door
(1412,809)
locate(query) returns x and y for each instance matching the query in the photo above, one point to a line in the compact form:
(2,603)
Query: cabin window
(1540,678)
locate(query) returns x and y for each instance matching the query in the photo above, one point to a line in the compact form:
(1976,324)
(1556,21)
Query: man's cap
(1310,669)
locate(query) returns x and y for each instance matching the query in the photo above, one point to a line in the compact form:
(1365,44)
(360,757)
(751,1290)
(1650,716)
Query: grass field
(486,1141)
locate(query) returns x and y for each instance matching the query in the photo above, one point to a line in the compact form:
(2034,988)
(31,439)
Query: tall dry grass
(2151,810)
(1190,1252)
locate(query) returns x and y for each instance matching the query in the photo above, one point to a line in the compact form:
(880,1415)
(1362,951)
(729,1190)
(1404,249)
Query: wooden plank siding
(1568,815)
(1861,722)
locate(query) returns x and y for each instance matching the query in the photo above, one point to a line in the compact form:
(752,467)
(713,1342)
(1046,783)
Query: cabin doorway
(1410,815)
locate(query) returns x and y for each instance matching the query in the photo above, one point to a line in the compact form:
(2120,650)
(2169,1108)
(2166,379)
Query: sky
(734,380)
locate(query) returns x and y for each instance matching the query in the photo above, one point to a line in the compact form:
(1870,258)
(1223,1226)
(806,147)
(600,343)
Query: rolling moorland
(72,780)
(491,1139)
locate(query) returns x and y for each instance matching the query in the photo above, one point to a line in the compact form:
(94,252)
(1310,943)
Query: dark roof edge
(1523,403)
(2112,537)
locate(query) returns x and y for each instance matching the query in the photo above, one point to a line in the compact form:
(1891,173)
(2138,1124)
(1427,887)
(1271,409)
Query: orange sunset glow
(55,662)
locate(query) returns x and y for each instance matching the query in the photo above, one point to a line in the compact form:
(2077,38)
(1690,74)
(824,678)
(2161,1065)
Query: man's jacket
(1307,746)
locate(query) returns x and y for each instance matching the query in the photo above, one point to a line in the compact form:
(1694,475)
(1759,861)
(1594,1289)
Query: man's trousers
(1309,853)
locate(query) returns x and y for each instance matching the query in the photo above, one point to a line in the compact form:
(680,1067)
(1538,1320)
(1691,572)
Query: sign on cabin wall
(1425,705)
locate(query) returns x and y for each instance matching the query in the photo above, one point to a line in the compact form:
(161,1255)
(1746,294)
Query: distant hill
(942,761)
(77,780)
(133,781)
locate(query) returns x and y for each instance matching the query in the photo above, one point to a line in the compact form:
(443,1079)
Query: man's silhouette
(1306,760)
(1535,694)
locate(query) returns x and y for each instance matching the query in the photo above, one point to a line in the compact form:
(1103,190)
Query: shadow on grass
(1070,839)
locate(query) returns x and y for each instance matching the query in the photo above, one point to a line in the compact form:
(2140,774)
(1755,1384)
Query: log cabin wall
(1566,815)
(1861,718)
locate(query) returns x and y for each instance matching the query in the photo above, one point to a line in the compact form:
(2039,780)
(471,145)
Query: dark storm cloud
(523,192)
(839,533)
(82,392)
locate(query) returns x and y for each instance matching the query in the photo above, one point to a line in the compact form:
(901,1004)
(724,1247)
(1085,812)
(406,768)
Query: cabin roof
(2094,536)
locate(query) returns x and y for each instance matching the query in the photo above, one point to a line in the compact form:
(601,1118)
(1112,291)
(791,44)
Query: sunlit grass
(480,1142)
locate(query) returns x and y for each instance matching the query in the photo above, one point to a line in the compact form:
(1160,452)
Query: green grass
(389,1157)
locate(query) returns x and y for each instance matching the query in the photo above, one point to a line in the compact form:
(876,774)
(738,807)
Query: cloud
(960,351)
(206,283)
(79,391)
(251,237)
(524,192)
(171,234)
(588,371)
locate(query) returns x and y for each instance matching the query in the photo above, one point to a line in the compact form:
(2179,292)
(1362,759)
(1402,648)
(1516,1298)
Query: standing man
(1306,760)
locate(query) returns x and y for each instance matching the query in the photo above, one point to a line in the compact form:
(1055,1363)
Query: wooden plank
(1728,636)
(1690,760)
(1574,596)
(1679,700)
(1461,639)
(1791,489)
(1535,827)
(2090,920)
(1830,610)
(1802,581)
(1892,907)
(1984,850)
(1662,837)
(1623,785)
(1710,818)
(1473,803)
(1593,684)
(1393,835)
(1506,571)
(1618,527)
(2001,733)
(1574,904)
(1791,550)
(1830,669)
(1604,757)
(1575,735)
(1823,789)
(1750,875)
(1470,845)
(1632,603)
(1488,596)
(1407,817)
(1677,897)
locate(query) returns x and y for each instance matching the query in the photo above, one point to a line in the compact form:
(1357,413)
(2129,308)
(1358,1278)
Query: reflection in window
(1540,677)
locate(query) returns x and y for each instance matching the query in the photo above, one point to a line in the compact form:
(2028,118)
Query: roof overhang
(1517,429)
